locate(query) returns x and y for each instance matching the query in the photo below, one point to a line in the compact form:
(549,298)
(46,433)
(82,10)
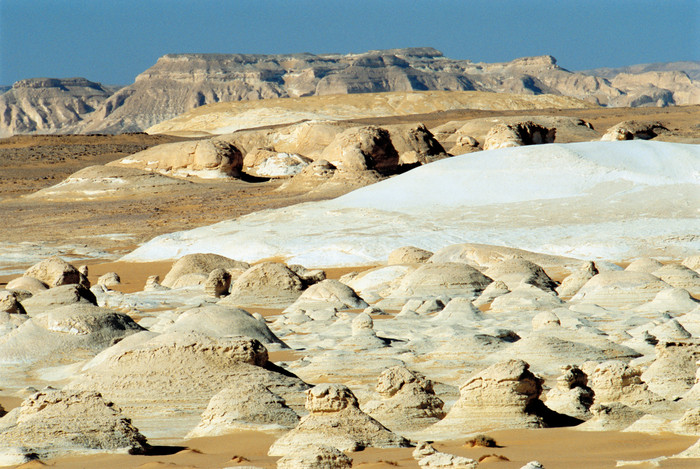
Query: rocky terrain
(514,288)
(178,83)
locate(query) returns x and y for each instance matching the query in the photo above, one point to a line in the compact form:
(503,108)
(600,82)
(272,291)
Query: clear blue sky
(114,40)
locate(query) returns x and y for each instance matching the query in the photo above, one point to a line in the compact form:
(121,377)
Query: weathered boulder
(202,158)
(271,164)
(10,304)
(644,264)
(515,271)
(110,279)
(244,407)
(415,144)
(314,456)
(429,457)
(57,297)
(571,396)
(614,381)
(518,134)
(328,294)
(573,282)
(308,276)
(54,272)
(200,264)
(362,148)
(631,130)
(270,284)
(408,255)
(29,284)
(336,419)
(610,416)
(70,333)
(407,400)
(620,289)
(672,374)
(55,423)
(436,279)
(504,395)
(218,283)
(224,321)
(680,276)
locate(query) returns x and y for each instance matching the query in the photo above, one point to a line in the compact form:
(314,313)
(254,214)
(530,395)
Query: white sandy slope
(593,200)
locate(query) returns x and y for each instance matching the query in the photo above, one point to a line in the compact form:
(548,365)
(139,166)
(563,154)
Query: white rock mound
(336,419)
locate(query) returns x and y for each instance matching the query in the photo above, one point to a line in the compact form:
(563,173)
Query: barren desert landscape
(378,259)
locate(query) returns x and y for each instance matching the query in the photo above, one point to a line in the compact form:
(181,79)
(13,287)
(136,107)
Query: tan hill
(689,67)
(221,118)
(44,105)
(178,83)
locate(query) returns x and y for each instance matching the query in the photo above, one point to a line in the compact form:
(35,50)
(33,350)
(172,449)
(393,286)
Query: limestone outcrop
(336,419)
(314,456)
(328,294)
(408,255)
(407,401)
(571,396)
(361,149)
(55,272)
(56,423)
(515,271)
(200,264)
(624,289)
(244,407)
(630,130)
(201,158)
(270,284)
(516,135)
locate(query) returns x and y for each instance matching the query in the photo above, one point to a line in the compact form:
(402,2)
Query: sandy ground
(554,448)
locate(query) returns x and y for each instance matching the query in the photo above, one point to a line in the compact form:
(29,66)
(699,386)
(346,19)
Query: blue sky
(114,40)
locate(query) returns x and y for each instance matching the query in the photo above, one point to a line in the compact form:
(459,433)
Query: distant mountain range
(180,82)
(690,68)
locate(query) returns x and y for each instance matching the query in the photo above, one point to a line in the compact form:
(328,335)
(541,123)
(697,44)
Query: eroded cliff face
(180,82)
(43,105)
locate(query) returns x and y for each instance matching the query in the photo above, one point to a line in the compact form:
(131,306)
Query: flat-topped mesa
(56,83)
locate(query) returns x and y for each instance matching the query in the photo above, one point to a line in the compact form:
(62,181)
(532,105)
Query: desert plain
(339,281)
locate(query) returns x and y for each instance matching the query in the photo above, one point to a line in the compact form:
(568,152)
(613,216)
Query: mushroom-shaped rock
(201,158)
(504,395)
(244,407)
(571,396)
(515,271)
(433,279)
(362,148)
(218,283)
(518,134)
(407,400)
(672,374)
(222,321)
(573,282)
(644,264)
(65,333)
(336,419)
(680,276)
(408,255)
(56,423)
(110,279)
(271,164)
(54,272)
(184,370)
(328,294)
(10,304)
(270,284)
(614,381)
(314,456)
(620,289)
(57,297)
(200,264)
